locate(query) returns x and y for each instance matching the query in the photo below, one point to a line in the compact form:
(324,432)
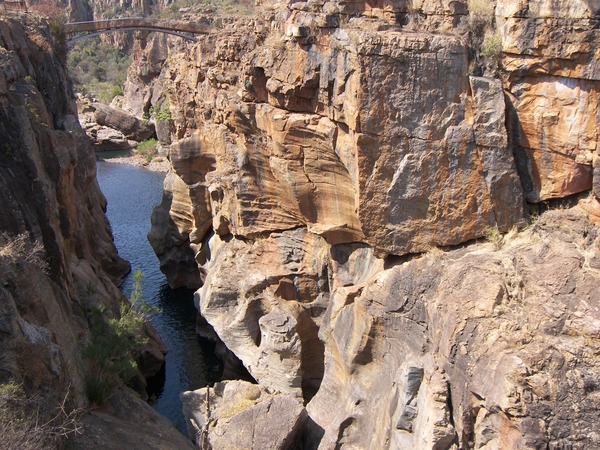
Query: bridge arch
(72,41)
(185,30)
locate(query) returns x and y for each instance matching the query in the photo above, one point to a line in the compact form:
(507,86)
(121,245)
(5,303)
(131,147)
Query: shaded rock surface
(270,316)
(58,261)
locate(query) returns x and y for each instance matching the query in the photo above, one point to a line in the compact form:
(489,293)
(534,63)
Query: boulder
(120,120)
(241,415)
(127,422)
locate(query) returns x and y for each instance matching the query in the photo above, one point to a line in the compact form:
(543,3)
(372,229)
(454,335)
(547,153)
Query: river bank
(158,163)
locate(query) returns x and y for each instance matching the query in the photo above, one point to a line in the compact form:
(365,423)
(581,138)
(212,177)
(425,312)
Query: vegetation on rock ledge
(112,343)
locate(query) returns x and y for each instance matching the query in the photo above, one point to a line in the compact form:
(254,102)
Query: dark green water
(131,193)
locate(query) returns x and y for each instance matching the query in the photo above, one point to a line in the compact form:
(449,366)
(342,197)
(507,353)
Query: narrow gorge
(388,212)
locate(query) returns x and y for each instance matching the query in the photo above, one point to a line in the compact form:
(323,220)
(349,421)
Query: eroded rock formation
(248,417)
(474,347)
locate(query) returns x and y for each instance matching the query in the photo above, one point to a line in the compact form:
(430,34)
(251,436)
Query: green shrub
(112,342)
(58,31)
(162,113)
(481,16)
(98,68)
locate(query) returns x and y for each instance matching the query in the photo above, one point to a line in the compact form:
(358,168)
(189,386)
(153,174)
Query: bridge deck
(139,23)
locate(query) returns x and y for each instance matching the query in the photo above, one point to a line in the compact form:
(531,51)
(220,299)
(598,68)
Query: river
(131,193)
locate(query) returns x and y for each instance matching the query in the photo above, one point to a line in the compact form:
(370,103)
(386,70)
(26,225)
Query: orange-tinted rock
(375,137)
(554,130)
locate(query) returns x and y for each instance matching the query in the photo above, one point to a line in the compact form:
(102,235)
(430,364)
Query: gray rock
(128,422)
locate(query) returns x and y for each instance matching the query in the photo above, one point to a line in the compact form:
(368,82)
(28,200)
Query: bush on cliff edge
(112,342)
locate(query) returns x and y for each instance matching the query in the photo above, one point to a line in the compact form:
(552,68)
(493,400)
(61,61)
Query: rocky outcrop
(127,422)
(112,128)
(475,347)
(301,137)
(270,316)
(131,127)
(552,85)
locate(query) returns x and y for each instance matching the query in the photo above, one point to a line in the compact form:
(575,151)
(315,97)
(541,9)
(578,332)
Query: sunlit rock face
(361,136)
(475,348)
(265,299)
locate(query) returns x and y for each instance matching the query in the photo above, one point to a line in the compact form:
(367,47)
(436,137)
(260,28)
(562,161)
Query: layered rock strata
(551,63)
(295,135)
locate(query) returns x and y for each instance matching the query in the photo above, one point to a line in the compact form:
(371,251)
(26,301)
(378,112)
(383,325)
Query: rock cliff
(317,147)
(57,258)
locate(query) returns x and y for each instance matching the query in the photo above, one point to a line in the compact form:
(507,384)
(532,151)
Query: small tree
(112,343)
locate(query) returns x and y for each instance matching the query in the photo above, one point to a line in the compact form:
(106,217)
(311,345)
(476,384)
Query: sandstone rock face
(269,316)
(243,416)
(300,136)
(314,152)
(128,422)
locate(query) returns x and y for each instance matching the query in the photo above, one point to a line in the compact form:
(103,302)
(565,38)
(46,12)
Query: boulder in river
(128,124)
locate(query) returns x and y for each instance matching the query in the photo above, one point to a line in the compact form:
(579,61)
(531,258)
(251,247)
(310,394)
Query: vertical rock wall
(550,55)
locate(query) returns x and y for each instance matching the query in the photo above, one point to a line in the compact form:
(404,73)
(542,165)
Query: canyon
(360,193)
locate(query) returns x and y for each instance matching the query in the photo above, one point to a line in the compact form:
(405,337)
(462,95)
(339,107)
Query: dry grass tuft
(21,247)
(34,422)
(481,7)
(494,237)
(275,39)
(434,253)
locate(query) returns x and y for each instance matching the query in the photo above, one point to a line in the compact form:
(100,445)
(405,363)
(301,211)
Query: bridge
(185,30)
